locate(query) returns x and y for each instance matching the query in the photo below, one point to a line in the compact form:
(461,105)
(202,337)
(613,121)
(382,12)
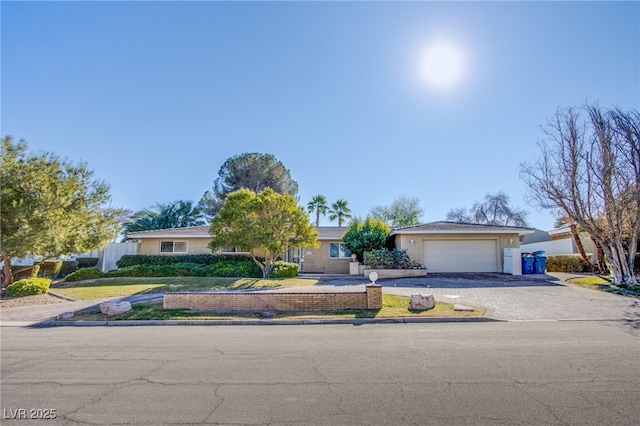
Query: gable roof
(330,232)
(444,227)
(186,232)
(324,233)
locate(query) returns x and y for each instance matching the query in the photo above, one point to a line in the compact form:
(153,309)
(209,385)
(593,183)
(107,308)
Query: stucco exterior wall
(194,246)
(317,260)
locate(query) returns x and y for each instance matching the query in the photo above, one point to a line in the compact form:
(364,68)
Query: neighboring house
(459,247)
(560,241)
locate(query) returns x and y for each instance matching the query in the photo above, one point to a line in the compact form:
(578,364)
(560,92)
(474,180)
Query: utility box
(512,263)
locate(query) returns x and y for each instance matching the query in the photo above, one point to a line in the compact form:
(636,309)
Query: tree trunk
(576,238)
(602,267)
(8,275)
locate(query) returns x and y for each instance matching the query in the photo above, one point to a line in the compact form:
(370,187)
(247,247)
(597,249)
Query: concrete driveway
(523,298)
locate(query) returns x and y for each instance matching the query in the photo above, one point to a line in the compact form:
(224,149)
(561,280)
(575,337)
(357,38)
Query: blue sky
(155,96)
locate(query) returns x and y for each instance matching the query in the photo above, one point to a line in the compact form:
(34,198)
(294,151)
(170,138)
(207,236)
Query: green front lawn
(598,282)
(110,287)
(392,307)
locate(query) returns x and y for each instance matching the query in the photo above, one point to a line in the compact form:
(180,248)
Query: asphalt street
(498,373)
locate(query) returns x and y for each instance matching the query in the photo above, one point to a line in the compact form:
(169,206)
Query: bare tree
(494,210)
(590,171)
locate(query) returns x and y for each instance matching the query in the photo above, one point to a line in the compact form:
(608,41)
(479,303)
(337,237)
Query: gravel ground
(38,299)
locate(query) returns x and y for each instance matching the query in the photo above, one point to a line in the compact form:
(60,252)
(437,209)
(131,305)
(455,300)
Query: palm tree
(177,214)
(340,210)
(318,204)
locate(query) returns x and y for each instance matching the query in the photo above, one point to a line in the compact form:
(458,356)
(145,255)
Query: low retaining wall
(229,301)
(396,273)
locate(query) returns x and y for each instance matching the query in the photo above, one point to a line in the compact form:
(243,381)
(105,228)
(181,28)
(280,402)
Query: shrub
(247,268)
(566,263)
(28,287)
(68,266)
(87,262)
(201,259)
(389,259)
(283,269)
(50,268)
(361,237)
(175,270)
(85,274)
(24,272)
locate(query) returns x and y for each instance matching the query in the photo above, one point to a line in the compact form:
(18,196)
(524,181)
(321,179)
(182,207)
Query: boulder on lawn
(418,302)
(115,307)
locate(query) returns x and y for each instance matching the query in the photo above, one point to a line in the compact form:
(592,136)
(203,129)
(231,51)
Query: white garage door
(461,255)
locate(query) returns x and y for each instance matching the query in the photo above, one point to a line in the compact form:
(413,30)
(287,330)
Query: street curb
(134,323)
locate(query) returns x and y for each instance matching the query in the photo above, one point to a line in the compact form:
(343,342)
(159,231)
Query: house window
(339,250)
(229,249)
(173,246)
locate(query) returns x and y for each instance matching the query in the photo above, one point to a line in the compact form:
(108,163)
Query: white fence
(563,246)
(113,252)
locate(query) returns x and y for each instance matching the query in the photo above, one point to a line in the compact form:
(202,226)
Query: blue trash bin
(527,264)
(540,265)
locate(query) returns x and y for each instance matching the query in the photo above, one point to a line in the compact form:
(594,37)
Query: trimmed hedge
(68,266)
(201,259)
(283,269)
(50,268)
(566,263)
(87,262)
(246,268)
(28,287)
(24,272)
(242,267)
(85,274)
(176,270)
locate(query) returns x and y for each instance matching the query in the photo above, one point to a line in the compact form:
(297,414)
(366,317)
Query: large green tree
(50,206)
(177,214)
(252,170)
(264,224)
(403,211)
(362,236)
(318,205)
(340,210)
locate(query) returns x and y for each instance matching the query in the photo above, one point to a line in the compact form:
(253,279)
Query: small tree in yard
(50,207)
(267,221)
(362,236)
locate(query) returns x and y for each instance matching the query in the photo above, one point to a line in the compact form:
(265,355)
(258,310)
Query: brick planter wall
(229,301)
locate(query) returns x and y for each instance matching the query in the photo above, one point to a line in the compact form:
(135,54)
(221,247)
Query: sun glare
(441,64)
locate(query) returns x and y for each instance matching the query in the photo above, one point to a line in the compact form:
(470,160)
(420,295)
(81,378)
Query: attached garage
(461,255)
(459,247)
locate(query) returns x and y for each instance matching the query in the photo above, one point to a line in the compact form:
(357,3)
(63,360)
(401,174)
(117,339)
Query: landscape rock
(418,302)
(462,308)
(115,307)
(65,315)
